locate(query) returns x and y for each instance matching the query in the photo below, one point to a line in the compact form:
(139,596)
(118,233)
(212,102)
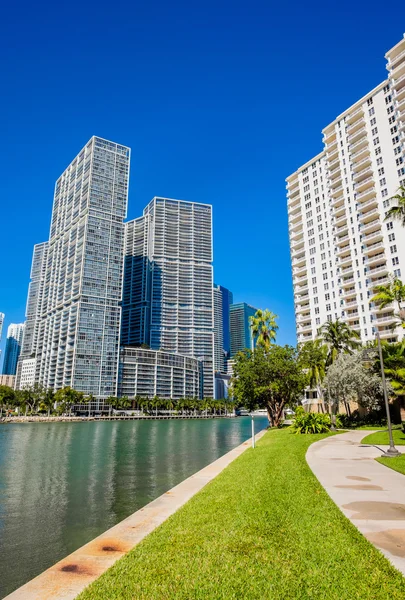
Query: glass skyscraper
(168,287)
(77,339)
(15,334)
(241,337)
(223,299)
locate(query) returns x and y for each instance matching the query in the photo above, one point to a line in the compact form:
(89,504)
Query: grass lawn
(398,464)
(381,437)
(263,529)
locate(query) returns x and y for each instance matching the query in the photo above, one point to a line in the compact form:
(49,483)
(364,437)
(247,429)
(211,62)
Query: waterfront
(62,484)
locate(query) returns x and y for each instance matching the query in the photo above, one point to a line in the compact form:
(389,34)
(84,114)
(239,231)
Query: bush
(403,426)
(311,422)
(373,417)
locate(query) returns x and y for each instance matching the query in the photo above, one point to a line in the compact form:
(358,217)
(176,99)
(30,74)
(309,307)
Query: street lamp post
(253,431)
(392,452)
(332,415)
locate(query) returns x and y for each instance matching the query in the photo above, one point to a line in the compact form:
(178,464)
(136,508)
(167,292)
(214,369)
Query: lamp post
(332,415)
(253,430)
(392,451)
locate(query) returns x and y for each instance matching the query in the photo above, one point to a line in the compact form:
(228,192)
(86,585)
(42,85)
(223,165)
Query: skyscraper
(1,326)
(15,333)
(77,339)
(342,246)
(223,299)
(167,294)
(241,337)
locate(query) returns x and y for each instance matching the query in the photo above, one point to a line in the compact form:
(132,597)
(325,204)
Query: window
(386,89)
(375,142)
(391,237)
(308,205)
(373,121)
(326,286)
(388,99)
(379,160)
(312,250)
(316,301)
(390,225)
(315,290)
(306,188)
(395,260)
(383,181)
(390,110)
(393,129)
(393,249)
(386,203)
(310,223)
(327,297)
(371,111)
(397,273)
(378,151)
(395,139)
(318,321)
(369,102)
(397,150)
(313,280)
(328,307)
(374,131)
(381,171)
(312,261)
(399,161)
(384,193)
(391,120)
(325,276)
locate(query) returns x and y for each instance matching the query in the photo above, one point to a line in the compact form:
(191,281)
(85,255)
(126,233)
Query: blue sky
(219,101)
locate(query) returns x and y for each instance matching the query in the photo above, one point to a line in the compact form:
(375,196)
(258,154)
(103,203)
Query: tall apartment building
(341,245)
(1,326)
(223,299)
(167,293)
(241,335)
(15,334)
(76,338)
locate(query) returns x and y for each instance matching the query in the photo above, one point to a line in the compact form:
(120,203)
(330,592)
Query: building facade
(223,299)
(8,380)
(168,284)
(77,335)
(15,334)
(25,376)
(342,246)
(148,373)
(241,336)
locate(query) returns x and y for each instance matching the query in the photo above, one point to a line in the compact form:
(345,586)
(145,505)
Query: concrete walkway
(371,495)
(67,578)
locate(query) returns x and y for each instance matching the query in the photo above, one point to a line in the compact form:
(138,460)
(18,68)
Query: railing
(359,183)
(353,125)
(371,190)
(394,60)
(362,131)
(360,152)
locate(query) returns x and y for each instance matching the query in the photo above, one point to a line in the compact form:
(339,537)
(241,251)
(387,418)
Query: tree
(348,379)
(398,212)
(339,337)
(313,356)
(393,292)
(32,396)
(66,397)
(7,397)
(268,379)
(264,327)
(48,400)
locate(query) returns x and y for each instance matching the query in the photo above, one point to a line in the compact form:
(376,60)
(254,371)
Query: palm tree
(398,212)
(339,337)
(263,327)
(393,292)
(313,356)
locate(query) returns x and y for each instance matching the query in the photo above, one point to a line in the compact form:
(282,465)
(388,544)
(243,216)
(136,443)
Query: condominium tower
(241,333)
(15,334)
(223,299)
(167,294)
(75,339)
(342,246)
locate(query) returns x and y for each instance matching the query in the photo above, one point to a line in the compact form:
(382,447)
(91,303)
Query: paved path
(371,495)
(67,578)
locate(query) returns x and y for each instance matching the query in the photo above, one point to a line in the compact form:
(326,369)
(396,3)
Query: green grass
(381,437)
(398,464)
(263,529)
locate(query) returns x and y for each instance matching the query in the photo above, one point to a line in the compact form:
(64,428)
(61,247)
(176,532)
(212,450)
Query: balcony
(380,281)
(341,220)
(345,261)
(388,334)
(336,192)
(335,175)
(367,228)
(385,319)
(347,271)
(368,216)
(372,236)
(332,153)
(349,293)
(354,115)
(342,251)
(332,147)
(329,138)
(398,70)
(371,248)
(374,259)
(354,148)
(347,282)
(299,243)
(352,316)
(364,184)
(335,202)
(342,240)
(393,61)
(360,165)
(366,195)
(354,126)
(367,205)
(298,260)
(339,211)
(300,270)
(356,135)
(373,271)
(358,176)
(334,163)
(305,328)
(351,303)
(301,308)
(360,154)
(333,183)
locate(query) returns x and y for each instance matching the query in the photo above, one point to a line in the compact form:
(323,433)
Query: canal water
(62,484)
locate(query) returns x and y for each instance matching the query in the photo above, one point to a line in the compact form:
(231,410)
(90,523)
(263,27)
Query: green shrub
(311,422)
(403,426)
(373,417)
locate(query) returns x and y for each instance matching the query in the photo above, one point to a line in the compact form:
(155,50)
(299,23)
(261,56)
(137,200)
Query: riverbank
(75,419)
(264,528)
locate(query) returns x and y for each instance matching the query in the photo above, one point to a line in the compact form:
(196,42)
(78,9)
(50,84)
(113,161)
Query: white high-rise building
(77,335)
(341,245)
(168,284)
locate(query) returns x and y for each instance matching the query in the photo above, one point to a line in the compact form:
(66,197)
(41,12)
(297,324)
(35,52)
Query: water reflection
(62,484)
